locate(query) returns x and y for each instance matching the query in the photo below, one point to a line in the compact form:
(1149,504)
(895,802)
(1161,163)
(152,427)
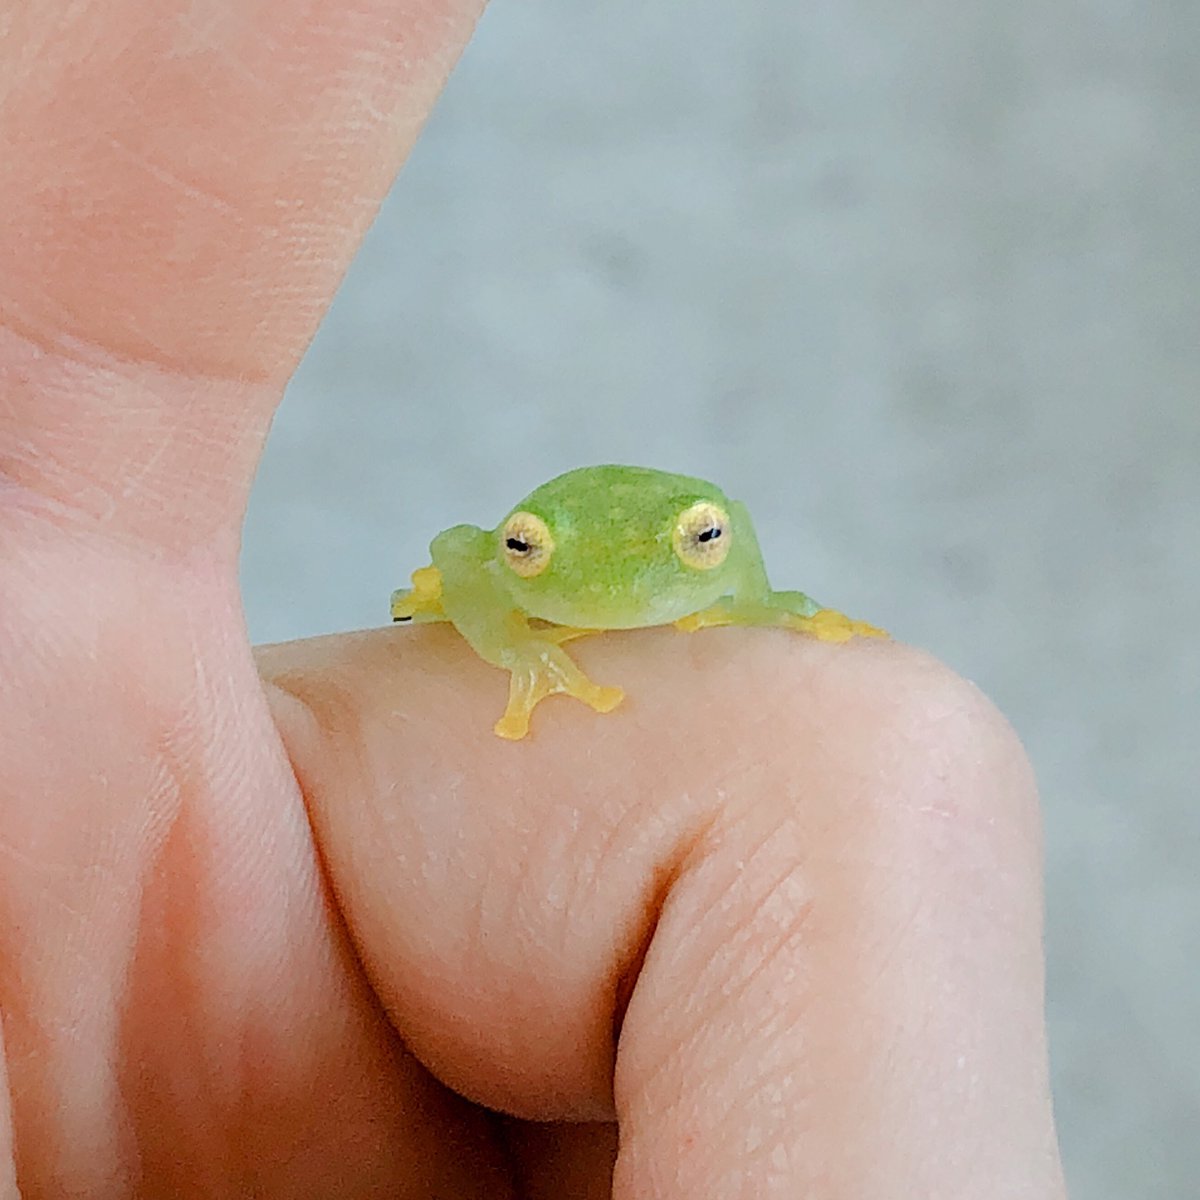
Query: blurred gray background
(919,283)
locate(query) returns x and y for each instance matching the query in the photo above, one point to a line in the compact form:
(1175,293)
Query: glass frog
(599,548)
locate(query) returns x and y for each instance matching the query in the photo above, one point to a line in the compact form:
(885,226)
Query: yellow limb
(829,625)
(826,624)
(541,669)
(423,601)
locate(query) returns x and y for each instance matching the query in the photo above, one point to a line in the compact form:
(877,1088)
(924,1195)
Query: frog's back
(618,491)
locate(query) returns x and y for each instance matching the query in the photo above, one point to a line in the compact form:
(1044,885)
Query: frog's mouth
(597,607)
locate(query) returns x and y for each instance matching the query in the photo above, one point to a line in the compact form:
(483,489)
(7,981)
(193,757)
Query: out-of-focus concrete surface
(921,283)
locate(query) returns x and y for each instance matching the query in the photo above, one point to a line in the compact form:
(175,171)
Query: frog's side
(601,548)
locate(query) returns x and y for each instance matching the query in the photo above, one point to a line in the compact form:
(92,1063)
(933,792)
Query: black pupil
(709,535)
(517,545)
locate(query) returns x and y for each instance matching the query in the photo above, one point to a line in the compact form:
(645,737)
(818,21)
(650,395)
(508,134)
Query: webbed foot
(825,624)
(829,625)
(545,670)
(423,601)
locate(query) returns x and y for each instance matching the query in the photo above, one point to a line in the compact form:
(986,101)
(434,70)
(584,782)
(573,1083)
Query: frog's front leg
(787,610)
(474,599)
(423,601)
(540,668)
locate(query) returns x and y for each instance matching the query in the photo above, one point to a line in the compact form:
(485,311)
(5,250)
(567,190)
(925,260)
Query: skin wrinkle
(345,77)
(632,835)
(663,877)
(791,938)
(745,1146)
(302,720)
(271,1016)
(304,723)
(89,464)
(782,1097)
(691,1046)
(634,926)
(79,350)
(515,912)
(579,888)
(765,1029)
(693,1027)
(161,956)
(148,915)
(174,179)
(584,891)
(163,809)
(684,1034)
(294,903)
(92,1014)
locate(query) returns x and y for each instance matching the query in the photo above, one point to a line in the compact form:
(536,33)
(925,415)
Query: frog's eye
(701,537)
(526,544)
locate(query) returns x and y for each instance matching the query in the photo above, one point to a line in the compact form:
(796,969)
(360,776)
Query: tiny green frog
(600,548)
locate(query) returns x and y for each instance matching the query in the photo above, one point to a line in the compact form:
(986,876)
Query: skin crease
(280,925)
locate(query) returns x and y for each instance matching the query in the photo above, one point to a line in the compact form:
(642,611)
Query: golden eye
(701,537)
(526,544)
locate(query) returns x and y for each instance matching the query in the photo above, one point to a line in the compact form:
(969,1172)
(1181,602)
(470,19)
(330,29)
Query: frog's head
(618,547)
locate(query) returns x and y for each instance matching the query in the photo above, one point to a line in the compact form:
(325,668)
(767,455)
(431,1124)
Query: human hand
(779,915)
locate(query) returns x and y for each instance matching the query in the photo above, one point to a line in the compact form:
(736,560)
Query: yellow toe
(829,625)
(425,595)
(603,699)
(513,726)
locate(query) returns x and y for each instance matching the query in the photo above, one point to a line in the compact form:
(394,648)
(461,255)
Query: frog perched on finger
(600,548)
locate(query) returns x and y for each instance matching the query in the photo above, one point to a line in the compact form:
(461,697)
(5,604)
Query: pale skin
(608,547)
(295,923)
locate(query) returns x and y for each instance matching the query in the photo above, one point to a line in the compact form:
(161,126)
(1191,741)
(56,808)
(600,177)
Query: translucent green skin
(613,566)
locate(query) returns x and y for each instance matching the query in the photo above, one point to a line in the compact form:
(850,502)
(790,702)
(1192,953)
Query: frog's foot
(547,671)
(423,601)
(829,625)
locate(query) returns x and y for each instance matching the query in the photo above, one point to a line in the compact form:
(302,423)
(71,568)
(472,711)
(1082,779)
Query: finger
(811,871)
(183,186)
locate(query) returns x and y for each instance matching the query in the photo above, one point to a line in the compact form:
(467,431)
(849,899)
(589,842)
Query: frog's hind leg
(786,610)
(548,671)
(422,603)
(800,612)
